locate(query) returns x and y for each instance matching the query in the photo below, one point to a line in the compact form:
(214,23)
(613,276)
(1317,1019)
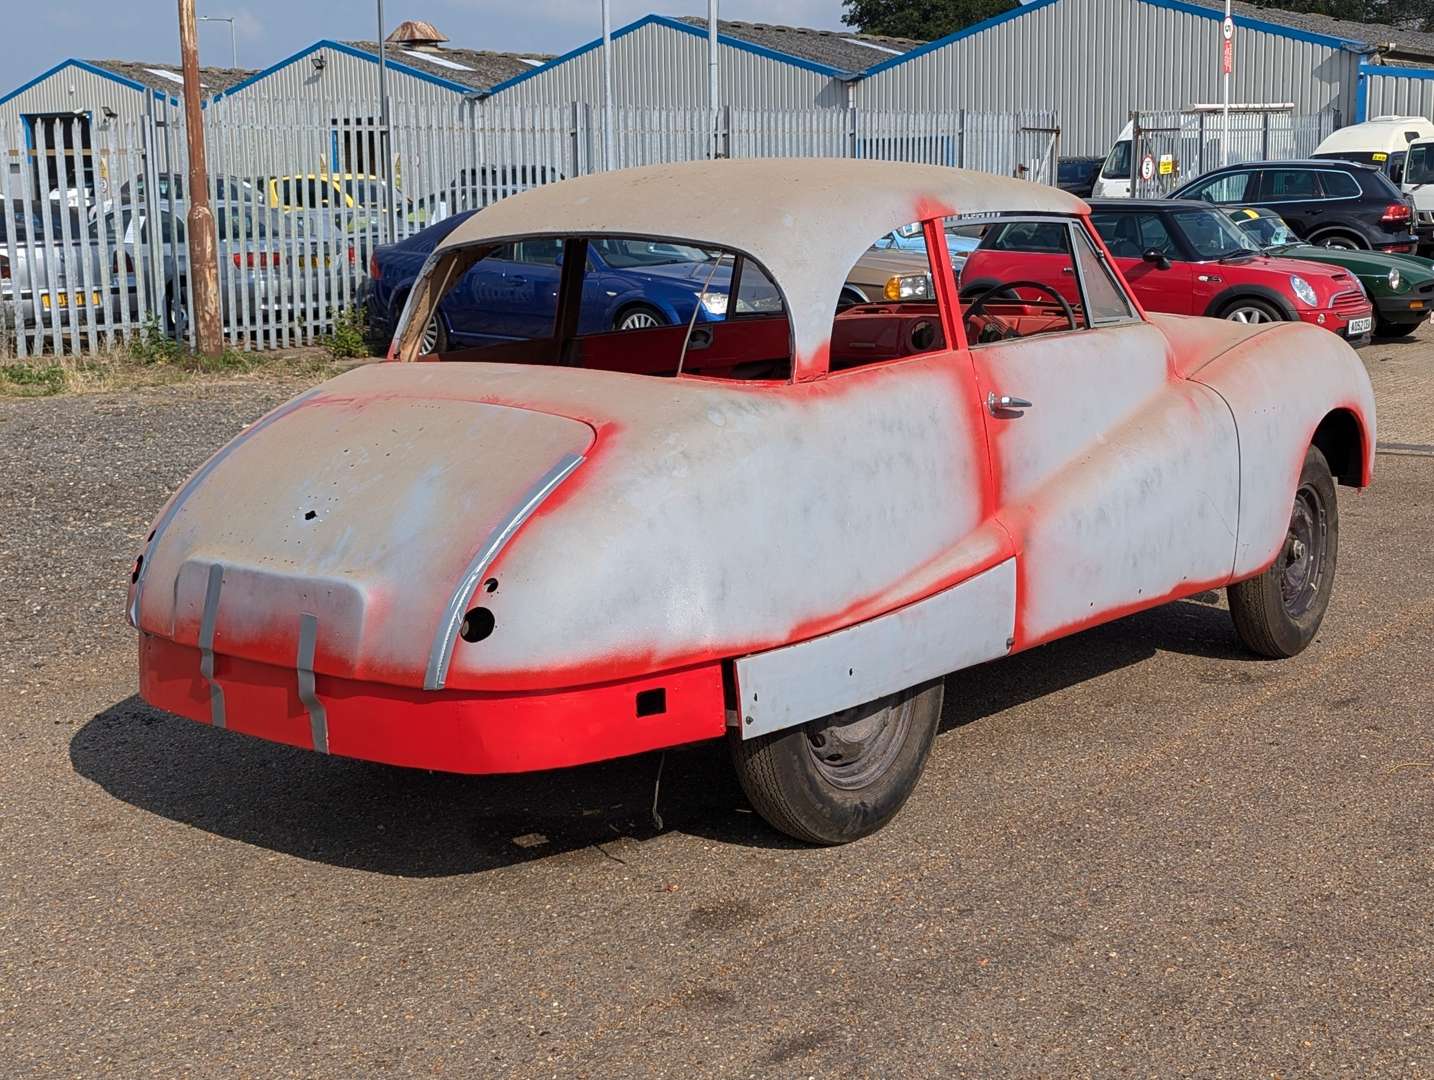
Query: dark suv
(1338,204)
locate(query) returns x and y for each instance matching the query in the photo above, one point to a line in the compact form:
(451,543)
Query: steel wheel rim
(855,747)
(1302,558)
(1249,315)
(429,342)
(638,320)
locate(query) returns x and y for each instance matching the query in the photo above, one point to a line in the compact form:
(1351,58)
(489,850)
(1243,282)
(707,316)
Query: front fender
(1259,292)
(1280,386)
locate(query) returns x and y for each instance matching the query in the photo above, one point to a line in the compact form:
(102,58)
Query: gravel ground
(1136,852)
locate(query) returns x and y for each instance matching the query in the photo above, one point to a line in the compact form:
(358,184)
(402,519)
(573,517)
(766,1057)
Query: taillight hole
(652,702)
(477,625)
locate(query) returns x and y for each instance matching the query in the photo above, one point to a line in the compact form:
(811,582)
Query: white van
(1383,141)
(1403,146)
(1113,182)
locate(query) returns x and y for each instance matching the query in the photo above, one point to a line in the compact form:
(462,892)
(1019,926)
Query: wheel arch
(1342,438)
(1230,295)
(1316,235)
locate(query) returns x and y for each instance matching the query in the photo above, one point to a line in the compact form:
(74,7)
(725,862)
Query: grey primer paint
(206,643)
(304,664)
(960,626)
(194,481)
(441,653)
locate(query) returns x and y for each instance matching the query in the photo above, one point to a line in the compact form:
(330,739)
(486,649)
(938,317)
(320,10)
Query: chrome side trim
(198,478)
(318,717)
(964,625)
(440,655)
(206,643)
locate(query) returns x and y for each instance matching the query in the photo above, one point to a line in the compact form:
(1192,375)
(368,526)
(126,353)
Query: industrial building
(1095,61)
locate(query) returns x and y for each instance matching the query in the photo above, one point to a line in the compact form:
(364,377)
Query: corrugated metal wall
(343,77)
(1094,61)
(659,67)
(1408,94)
(78,90)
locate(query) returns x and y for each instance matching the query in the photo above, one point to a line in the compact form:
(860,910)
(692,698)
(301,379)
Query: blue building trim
(84,65)
(347,50)
(686,28)
(1396,72)
(1174,5)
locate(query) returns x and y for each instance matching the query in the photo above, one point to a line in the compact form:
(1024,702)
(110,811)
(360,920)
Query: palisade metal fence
(94,222)
(1182,145)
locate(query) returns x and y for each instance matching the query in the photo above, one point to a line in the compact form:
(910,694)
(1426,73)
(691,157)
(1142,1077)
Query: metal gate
(1170,148)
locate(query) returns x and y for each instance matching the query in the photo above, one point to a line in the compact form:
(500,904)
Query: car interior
(749,338)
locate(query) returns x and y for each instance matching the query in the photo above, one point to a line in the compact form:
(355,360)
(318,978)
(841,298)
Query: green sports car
(1400,286)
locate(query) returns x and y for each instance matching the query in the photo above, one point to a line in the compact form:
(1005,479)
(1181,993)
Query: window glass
(1130,236)
(1339,185)
(1231,188)
(1117,165)
(1211,234)
(624,253)
(1395,168)
(756,295)
(1291,184)
(545,251)
(1419,169)
(1049,236)
(1104,300)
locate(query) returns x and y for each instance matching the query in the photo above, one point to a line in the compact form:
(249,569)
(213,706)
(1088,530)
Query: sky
(41,33)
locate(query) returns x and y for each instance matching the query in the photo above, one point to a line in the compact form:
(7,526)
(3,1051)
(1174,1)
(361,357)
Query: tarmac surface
(1135,852)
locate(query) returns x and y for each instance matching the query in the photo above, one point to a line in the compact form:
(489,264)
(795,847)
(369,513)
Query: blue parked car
(512,294)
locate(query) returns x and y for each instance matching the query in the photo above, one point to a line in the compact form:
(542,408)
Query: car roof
(1149,204)
(806,220)
(1303,163)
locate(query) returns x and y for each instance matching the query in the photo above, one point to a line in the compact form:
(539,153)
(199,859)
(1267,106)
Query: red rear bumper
(449,730)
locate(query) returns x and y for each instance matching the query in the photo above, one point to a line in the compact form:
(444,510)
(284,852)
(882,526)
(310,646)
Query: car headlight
(1304,290)
(1396,279)
(714,303)
(908,287)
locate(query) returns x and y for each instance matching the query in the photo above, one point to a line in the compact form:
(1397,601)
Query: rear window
(1046,236)
(1339,185)
(1378,184)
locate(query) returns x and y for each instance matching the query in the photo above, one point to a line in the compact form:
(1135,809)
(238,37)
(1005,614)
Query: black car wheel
(1251,311)
(1340,241)
(843,776)
(638,317)
(1278,613)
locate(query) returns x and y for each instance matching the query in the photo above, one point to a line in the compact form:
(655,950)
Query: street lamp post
(233,39)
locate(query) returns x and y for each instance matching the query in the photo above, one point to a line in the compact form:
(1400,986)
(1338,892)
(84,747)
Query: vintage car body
(492,567)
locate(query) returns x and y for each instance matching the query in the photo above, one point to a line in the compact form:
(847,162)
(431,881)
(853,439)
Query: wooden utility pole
(203,264)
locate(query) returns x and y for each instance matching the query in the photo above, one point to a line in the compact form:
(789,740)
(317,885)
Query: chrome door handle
(1005,404)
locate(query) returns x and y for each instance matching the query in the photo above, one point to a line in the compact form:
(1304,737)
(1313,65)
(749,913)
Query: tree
(924,20)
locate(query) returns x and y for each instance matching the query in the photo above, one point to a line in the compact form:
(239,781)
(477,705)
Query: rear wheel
(1340,241)
(434,341)
(1278,613)
(1251,311)
(843,776)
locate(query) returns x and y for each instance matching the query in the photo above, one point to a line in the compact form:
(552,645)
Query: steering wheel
(978,305)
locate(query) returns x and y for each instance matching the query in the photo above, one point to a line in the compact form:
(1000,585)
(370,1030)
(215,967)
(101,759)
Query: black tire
(1278,613)
(640,316)
(820,788)
(1250,310)
(1344,241)
(1385,329)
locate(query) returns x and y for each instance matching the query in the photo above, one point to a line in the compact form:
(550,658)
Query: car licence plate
(63,300)
(1360,326)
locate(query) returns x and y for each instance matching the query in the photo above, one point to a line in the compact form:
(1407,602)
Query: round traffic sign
(1228,29)
(1147,168)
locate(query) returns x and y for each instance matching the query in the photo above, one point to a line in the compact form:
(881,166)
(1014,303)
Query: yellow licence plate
(63,300)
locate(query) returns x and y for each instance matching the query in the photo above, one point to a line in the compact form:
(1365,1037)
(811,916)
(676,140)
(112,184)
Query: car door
(1116,479)
(480,309)
(1129,235)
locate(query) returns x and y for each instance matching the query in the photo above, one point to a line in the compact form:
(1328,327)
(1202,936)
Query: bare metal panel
(1399,95)
(964,625)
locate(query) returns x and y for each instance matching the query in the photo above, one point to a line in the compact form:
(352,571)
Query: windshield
(1266,232)
(1212,235)
(1117,166)
(1419,169)
(623,254)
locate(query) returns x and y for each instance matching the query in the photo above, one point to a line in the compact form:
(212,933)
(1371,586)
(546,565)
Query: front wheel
(638,317)
(843,776)
(1278,613)
(1251,311)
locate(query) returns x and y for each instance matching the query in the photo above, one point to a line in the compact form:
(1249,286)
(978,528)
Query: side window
(1231,188)
(1289,185)
(1104,300)
(1339,185)
(887,309)
(756,295)
(1154,234)
(1022,282)
(1396,167)
(1419,169)
(542,252)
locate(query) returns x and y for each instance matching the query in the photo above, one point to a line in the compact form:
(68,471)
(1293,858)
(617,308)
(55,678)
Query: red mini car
(1183,258)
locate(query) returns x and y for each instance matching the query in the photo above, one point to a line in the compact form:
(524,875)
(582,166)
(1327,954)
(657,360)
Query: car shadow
(413,823)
